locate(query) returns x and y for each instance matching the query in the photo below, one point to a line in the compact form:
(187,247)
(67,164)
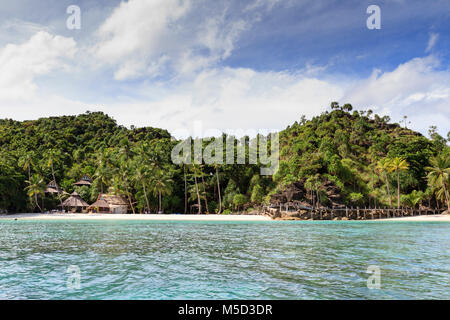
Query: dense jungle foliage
(342,157)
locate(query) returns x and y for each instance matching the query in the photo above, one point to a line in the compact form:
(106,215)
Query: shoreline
(183,217)
(149,217)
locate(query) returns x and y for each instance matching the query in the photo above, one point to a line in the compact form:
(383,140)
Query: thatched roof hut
(109,203)
(84,181)
(75,203)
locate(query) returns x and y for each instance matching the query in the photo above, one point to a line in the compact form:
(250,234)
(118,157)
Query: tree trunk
(398,189)
(128,194)
(218,189)
(159,195)
(185,190)
(198,195)
(446,196)
(54,179)
(146,198)
(204,192)
(388,190)
(36,200)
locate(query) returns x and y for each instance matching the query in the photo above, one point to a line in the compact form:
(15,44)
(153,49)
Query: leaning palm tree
(383,168)
(398,164)
(35,187)
(439,174)
(161,185)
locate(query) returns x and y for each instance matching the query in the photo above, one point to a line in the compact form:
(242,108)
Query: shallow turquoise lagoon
(223,260)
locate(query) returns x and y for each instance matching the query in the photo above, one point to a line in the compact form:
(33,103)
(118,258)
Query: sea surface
(224,260)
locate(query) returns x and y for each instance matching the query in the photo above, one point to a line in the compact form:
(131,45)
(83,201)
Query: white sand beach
(435,218)
(183,217)
(156,217)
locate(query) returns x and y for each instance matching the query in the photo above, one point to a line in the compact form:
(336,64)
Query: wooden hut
(99,206)
(74,203)
(109,203)
(84,181)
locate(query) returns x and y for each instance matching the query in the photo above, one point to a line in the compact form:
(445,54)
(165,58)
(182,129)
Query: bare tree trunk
(204,192)
(389,192)
(198,195)
(36,200)
(398,189)
(128,194)
(54,179)
(446,196)
(185,190)
(159,195)
(218,189)
(145,194)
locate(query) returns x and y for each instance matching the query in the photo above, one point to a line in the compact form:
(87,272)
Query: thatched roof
(100,203)
(84,181)
(112,199)
(74,201)
(52,187)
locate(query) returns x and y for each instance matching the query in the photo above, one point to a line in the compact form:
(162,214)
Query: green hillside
(342,157)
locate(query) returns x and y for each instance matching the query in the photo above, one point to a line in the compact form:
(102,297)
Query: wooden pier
(347,213)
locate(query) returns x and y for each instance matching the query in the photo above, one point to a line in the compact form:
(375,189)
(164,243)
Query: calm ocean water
(220,260)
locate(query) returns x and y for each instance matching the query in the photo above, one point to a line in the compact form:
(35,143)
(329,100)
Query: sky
(225,65)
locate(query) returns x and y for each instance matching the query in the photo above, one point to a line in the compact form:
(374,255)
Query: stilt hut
(74,203)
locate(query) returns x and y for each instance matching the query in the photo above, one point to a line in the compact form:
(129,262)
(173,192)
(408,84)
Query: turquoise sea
(223,260)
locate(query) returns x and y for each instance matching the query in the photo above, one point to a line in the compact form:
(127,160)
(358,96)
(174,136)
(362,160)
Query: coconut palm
(26,162)
(383,168)
(439,174)
(161,185)
(35,187)
(398,164)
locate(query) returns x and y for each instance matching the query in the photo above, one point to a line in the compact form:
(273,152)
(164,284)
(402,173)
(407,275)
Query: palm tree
(35,187)
(383,168)
(398,164)
(54,156)
(161,185)
(140,177)
(439,173)
(26,162)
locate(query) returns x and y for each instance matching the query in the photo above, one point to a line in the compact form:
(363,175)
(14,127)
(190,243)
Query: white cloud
(432,41)
(226,98)
(21,64)
(415,88)
(147,38)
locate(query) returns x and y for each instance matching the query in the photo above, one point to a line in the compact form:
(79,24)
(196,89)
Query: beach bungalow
(108,203)
(84,181)
(74,203)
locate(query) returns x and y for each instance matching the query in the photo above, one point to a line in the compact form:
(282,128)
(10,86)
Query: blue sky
(229,65)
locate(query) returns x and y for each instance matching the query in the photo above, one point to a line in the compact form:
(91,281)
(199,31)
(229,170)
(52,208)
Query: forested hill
(340,157)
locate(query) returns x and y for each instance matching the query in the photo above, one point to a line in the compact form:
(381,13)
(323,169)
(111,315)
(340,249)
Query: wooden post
(312,216)
(357,213)
(320,214)
(365,214)
(346,212)
(331,214)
